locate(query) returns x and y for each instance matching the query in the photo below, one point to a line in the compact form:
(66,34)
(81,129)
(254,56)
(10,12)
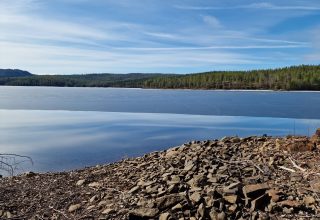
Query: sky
(152,36)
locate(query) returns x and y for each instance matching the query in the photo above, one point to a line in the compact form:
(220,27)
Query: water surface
(197,102)
(68,128)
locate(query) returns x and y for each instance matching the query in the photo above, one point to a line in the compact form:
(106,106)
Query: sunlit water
(84,131)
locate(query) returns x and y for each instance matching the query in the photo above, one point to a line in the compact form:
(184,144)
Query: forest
(304,77)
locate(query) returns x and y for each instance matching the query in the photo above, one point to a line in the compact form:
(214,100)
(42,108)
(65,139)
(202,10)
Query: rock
(231,199)
(195,197)
(201,210)
(73,208)
(309,200)
(143,213)
(167,201)
(93,198)
(91,207)
(232,208)
(174,180)
(289,203)
(213,214)
(188,166)
(80,182)
(164,216)
(287,210)
(171,153)
(260,203)
(177,207)
(30,174)
(108,211)
(221,216)
(95,184)
(255,190)
(274,195)
(8,214)
(102,203)
(133,189)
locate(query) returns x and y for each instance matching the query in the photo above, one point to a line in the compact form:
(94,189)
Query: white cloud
(211,21)
(314,55)
(269,6)
(260,5)
(37,58)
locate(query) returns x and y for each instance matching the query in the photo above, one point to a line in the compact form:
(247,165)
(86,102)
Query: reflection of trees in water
(11,163)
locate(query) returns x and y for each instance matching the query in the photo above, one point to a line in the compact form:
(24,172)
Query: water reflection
(63,140)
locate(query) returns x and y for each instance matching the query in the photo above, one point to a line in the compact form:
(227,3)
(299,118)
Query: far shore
(186,89)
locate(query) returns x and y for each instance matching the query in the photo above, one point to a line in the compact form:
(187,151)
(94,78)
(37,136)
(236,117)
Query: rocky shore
(232,178)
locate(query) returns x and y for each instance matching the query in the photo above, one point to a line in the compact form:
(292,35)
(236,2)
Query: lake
(68,128)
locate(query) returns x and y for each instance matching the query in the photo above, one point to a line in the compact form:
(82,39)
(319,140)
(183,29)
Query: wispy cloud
(108,36)
(260,5)
(212,21)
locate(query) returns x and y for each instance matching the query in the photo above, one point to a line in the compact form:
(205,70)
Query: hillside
(132,80)
(305,77)
(231,178)
(13,73)
(290,78)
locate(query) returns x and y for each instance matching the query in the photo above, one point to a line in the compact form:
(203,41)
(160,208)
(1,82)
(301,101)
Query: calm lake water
(67,128)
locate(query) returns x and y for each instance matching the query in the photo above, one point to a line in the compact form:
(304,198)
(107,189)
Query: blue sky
(172,36)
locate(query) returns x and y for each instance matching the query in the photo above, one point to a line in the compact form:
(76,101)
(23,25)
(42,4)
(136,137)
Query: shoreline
(233,177)
(177,89)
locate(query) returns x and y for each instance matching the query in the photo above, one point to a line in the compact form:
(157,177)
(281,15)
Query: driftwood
(10,163)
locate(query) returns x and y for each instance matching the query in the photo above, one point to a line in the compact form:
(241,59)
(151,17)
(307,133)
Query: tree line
(304,77)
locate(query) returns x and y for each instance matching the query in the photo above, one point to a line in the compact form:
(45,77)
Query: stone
(73,208)
(274,195)
(255,190)
(108,211)
(289,203)
(195,197)
(174,180)
(221,216)
(133,189)
(93,198)
(8,214)
(309,200)
(201,210)
(171,153)
(231,199)
(80,182)
(95,184)
(260,203)
(143,213)
(91,207)
(167,201)
(102,203)
(287,210)
(213,214)
(30,174)
(232,208)
(164,216)
(188,166)
(177,207)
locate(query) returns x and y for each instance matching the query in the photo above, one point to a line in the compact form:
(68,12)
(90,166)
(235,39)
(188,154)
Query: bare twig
(296,166)
(287,169)
(11,162)
(17,155)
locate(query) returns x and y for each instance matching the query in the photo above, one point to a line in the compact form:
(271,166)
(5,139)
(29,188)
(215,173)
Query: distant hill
(131,80)
(13,73)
